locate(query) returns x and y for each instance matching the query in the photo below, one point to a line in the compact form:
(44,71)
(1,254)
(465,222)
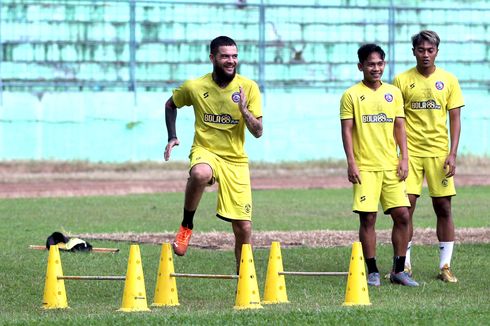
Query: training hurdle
(247,294)
(275,283)
(134,297)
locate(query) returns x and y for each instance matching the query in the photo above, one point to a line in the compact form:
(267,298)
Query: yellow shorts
(234,191)
(379,186)
(433,169)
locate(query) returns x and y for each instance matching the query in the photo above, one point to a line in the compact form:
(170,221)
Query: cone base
(165,304)
(52,308)
(274,302)
(356,304)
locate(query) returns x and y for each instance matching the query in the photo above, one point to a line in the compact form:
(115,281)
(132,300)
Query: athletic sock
(398,263)
(407,259)
(445,253)
(371,265)
(188,218)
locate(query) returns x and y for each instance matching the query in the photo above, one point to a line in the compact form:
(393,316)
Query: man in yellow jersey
(373,124)
(429,94)
(225,103)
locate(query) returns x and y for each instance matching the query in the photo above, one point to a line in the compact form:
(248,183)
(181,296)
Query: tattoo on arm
(254,124)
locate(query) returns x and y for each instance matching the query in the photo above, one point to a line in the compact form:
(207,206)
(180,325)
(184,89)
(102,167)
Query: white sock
(445,253)
(408,264)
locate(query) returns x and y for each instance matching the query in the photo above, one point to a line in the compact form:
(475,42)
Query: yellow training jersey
(219,125)
(374,114)
(427,101)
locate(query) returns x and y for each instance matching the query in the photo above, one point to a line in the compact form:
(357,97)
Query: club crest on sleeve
(235,97)
(388,97)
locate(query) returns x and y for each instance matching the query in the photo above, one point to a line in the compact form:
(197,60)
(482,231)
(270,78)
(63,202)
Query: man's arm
(254,125)
(352,170)
(170,118)
(455,131)
(401,140)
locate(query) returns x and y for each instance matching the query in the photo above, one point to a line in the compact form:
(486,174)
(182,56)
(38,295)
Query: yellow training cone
(54,289)
(134,297)
(247,295)
(275,284)
(357,288)
(166,288)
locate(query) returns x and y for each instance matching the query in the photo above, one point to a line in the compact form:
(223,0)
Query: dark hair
(220,41)
(429,36)
(365,50)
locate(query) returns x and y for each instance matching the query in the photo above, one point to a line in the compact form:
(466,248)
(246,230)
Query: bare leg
(199,177)
(367,234)
(411,210)
(445,224)
(243,235)
(399,233)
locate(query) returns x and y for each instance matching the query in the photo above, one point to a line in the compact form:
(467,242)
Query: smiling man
(225,103)
(372,122)
(431,94)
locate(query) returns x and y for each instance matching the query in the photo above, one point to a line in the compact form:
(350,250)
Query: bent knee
(201,173)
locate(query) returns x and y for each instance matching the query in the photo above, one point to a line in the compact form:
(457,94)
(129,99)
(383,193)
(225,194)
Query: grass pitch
(313,300)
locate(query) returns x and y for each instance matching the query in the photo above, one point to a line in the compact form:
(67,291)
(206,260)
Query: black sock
(371,265)
(398,263)
(188,218)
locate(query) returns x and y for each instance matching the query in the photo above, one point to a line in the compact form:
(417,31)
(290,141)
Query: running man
(373,124)
(225,103)
(429,94)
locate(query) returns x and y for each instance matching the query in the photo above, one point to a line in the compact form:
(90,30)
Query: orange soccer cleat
(181,241)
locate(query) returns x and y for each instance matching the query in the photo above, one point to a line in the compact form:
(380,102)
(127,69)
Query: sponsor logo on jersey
(425,105)
(235,97)
(376,118)
(388,97)
(225,119)
(439,85)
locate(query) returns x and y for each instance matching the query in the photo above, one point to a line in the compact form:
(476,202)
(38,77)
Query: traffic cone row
(247,294)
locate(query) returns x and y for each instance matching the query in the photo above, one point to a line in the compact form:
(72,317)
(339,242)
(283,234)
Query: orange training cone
(357,289)
(134,297)
(166,288)
(247,295)
(275,284)
(54,289)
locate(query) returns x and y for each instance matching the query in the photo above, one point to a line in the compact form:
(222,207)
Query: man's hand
(450,165)
(353,174)
(168,149)
(402,169)
(242,104)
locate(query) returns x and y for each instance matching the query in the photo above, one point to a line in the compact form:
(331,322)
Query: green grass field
(313,300)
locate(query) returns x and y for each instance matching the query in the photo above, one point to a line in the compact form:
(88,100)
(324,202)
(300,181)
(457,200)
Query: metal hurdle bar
(314,273)
(211,276)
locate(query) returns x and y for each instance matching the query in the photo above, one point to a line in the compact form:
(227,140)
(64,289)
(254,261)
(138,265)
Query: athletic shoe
(181,241)
(373,279)
(402,278)
(407,270)
(446,275)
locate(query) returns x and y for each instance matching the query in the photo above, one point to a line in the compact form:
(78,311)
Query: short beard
(221,77)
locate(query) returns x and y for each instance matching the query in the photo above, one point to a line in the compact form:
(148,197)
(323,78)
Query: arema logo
(247,208)
(444,182)
(235,97)
(225,119)
(376,118)
(388,97)
(439,85)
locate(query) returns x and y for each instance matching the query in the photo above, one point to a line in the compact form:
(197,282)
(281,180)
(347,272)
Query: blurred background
(87,80)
